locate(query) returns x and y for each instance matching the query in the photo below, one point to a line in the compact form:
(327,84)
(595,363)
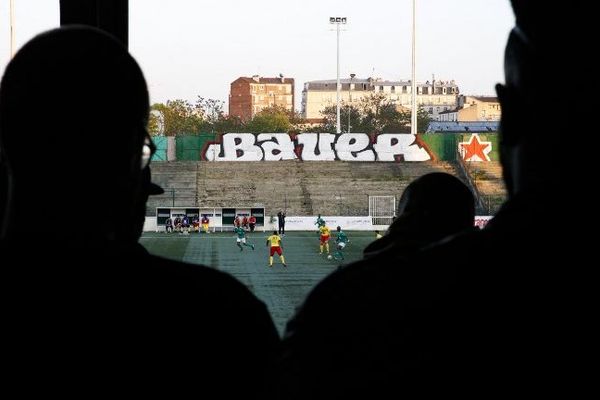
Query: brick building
(248,96)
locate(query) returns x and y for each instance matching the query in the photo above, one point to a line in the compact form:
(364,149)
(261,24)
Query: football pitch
(281,289)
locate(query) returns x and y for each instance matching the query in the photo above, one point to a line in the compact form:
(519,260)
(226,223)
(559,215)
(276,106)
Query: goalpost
(382,209)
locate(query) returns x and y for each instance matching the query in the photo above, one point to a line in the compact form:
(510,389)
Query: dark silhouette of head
(539,51)
(73,111)
(438,204)
(274,232)
(339,228)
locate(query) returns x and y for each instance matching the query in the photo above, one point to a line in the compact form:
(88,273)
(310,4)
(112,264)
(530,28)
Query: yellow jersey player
(324,239)
(274,244)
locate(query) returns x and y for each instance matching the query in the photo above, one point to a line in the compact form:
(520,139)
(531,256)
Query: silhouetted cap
(72,102)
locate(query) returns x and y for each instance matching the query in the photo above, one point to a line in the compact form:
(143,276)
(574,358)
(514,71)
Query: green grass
(282,290)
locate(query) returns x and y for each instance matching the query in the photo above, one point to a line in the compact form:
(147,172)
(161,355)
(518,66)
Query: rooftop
(263,80)
(379,82)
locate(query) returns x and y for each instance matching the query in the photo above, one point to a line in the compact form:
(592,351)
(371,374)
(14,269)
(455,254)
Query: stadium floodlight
(338,21)
(413,119)
(350,100)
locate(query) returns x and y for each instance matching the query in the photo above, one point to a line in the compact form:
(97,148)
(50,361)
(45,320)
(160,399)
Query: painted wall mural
(356,147)
(474,149)
(388,147)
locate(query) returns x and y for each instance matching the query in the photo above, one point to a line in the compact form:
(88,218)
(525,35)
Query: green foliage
(423,120)
(272,119)
(374,114)
(178,117)
(155,124)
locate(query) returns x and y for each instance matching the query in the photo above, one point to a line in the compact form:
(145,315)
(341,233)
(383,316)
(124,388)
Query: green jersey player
(241,238)
(341,241)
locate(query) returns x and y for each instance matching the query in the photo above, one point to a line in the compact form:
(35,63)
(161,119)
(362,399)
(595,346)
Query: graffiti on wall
(387,147)
(474,149)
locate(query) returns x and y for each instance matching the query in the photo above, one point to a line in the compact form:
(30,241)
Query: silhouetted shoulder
(170,325)
(211,280)
(383,323)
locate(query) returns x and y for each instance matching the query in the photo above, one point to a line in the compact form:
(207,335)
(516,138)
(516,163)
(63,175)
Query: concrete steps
(301,188)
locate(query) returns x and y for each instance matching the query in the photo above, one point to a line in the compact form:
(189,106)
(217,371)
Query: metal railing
(485,204)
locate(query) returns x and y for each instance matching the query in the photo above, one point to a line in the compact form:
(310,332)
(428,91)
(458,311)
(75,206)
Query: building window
(381,88)
(364,86)
(425,90)
(393,89)
(430,110)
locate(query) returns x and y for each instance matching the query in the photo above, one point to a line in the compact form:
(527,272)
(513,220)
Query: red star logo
(474,149)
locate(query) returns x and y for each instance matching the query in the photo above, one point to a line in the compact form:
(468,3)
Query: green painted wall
(189,148)
(161,148)
(443,146)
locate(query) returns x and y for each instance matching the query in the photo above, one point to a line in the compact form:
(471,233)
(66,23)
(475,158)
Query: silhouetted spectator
(3,190)
(90,311)
(432,207)
(493,312)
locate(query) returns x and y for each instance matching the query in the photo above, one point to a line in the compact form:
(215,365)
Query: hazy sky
(188,47)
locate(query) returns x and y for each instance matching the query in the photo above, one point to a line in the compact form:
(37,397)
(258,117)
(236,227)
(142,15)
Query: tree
(229,123)
(155,123)
(330,116)
(381,115)
(271,119)
(374,115)
(179,117)
(211,111)
(423,119)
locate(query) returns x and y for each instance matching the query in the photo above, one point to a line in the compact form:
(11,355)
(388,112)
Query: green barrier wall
(189,148)
(161,148)
(441,146)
